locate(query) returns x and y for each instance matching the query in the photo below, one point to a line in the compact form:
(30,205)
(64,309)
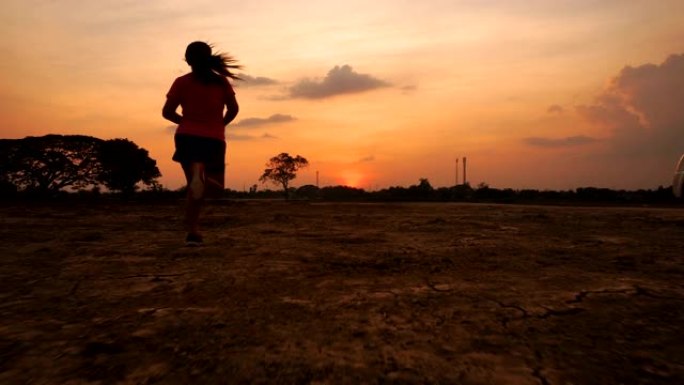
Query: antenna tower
(465,180)
(456,173)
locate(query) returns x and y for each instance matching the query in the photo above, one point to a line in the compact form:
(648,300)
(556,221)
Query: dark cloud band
(339,80)
(569,141)
(257,122)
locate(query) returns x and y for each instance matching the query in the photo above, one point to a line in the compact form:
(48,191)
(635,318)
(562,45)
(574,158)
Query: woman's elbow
(233,107)
(168,113)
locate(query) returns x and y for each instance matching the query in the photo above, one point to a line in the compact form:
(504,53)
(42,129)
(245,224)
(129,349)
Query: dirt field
(292,293)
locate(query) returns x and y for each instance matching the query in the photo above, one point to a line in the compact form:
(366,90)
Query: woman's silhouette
(204,94)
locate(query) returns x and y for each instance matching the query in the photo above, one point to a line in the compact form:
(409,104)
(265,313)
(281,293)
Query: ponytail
(222,64)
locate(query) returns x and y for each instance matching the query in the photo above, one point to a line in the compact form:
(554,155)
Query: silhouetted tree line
(54,164)
(424,192)
(77,166)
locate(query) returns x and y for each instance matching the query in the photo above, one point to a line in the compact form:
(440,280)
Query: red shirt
(203,106)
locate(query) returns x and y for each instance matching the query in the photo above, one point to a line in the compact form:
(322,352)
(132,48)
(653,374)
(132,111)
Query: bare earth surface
(290,293)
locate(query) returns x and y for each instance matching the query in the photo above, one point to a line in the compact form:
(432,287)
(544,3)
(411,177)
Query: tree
(281,169)
(49,163)
(124,165)
(424,186)
(308,191)
(422,191)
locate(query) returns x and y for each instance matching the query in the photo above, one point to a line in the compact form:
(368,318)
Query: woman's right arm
(169,111)
(232,109)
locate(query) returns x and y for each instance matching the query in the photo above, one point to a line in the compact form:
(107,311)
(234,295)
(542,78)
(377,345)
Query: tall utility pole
(456,173)
(465,180)
(316,178)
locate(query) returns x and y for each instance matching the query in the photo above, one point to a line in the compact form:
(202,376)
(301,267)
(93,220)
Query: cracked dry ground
(288,292)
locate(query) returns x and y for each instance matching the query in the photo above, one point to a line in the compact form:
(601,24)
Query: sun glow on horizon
(352,178)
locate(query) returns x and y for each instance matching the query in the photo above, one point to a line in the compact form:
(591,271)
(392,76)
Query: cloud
(245,138)
(256,122)
(248,123)
(642,110)
(251,81)
(239,137)
(339,80)
(555,109)
(569,141)
(366,159)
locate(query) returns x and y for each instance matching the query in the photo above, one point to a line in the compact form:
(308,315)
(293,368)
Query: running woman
(208,105)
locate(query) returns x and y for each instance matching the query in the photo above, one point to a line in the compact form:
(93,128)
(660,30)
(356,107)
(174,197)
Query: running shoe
(194,240)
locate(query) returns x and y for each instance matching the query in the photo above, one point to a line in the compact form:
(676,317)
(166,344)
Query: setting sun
(352,178)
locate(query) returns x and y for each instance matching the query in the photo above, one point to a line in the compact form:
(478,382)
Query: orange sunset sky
(548,94)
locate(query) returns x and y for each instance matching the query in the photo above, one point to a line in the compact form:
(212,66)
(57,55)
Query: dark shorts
(211,152)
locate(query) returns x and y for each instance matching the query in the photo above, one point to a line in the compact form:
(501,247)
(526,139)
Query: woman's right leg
(194,176)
